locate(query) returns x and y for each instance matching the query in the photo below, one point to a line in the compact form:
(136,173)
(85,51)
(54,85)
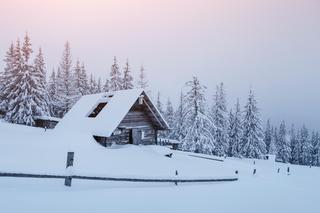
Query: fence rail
(28,175)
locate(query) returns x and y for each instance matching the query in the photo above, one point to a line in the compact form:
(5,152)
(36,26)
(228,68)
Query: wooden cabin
(121,117)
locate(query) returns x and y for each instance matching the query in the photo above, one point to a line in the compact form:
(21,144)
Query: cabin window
(97,110)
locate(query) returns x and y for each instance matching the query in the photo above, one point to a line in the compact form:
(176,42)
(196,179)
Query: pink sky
(272,45)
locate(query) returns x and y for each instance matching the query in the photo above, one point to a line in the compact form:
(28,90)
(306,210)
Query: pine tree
(295,146)
(99,86)
(272,149)
(21,102)
(306,147)
(198,125)
(66,88)
(267,135)
(40,93)
(252,140)
(115,76)
(6,80)
(53,93)
(127,77)
(80,80)
(178,131)
(169,116)
(106,87)
(159,104)
(315,148)
(284,149)
(235,131)
(219,114)
(142,82)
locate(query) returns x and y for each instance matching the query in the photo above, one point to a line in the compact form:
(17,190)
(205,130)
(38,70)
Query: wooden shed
(121,117)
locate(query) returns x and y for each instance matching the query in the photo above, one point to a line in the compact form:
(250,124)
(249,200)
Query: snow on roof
(107,120)
(49,118)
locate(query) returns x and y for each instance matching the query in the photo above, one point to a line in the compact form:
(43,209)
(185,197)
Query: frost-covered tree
(66,87)
(235,131)
(92,85)
(159,104)
(6,80)
(40,92)
(198,125)
(115,76)
(219,116)
(80,79)
(272,149)
(295,146)
(178,132)
(252,139)
(127,82)
(284,149)
(315,143)
(20,99)
(169,116)
(142,80)
(267,135)
(53,93)
(306,147)
(99,86)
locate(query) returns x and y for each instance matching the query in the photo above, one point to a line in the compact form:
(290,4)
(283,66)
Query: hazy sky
(271,45)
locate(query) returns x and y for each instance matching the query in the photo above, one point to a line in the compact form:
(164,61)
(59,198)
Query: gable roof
(107,120)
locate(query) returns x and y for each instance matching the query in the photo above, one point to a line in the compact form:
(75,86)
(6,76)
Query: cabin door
(135,136)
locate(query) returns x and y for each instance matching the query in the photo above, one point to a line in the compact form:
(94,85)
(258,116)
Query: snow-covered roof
(108,119)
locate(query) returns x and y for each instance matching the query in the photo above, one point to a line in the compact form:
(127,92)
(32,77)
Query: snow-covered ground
(33,150)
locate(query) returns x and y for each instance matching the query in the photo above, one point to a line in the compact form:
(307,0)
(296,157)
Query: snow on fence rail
(68,178)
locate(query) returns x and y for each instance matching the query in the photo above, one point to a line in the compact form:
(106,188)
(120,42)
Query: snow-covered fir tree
(253,145)
(315,143)
(219,115)
(40,92)
(235,131)
(159,104)
(53,93)
(66,87)
(169,116)
(6,78)
(306,147)
(106,87)
(80,79)
(272,149)
(115,76)
(99,86)
(284,149)
(178,132)
(20,99)
(198,125)
(295,146)
(142,80)
(127,77)
(267,135)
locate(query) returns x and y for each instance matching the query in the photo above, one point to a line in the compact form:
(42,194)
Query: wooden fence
(68,178)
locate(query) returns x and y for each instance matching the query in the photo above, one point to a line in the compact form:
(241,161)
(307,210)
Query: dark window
(97,110)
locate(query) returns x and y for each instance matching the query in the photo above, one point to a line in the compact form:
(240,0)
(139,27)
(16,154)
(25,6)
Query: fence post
(68,179)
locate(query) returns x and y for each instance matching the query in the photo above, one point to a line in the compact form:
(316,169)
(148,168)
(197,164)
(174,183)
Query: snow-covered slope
(27,149)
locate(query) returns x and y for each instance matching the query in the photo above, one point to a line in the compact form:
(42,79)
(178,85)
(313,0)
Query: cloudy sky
(271,45)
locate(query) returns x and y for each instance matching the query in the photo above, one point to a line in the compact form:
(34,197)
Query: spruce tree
(284,149)
(21,102)
(295,146)
(235,131)
(178,131)
(66,88)
(40,92)
(6,80)
(315,148)
(159,103)
(53,93)
(80,80)
(198,125)
(306,147)
(142,81)
(219,114)
(272,149)
(169,116)
(267,135)
(127,77)
(115,76)
(252,140)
